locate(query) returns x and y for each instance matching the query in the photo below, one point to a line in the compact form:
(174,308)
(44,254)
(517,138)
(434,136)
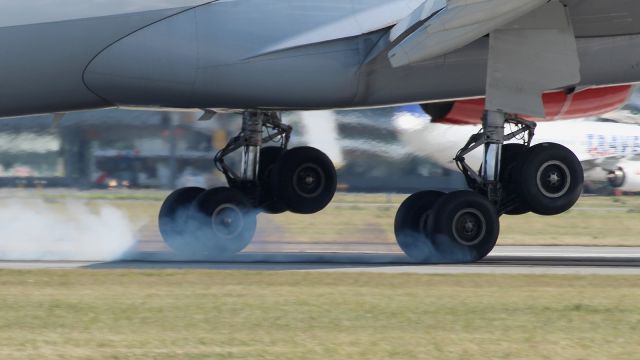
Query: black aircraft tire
(223,222)
(411,222)
(269,157)
(550,179)
(304,180)
(512,155)
(464,227)
(173,217)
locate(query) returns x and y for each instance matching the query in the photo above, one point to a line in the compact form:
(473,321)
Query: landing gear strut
(273,179)
(493,172)
(514,179)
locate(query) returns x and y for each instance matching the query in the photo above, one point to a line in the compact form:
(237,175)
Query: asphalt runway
(503,260)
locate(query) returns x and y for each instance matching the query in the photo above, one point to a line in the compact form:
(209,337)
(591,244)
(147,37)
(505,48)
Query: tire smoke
(194,236)
(438,250)
(36,230)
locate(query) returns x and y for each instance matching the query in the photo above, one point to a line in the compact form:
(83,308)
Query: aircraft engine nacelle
(625,178)
(559,105)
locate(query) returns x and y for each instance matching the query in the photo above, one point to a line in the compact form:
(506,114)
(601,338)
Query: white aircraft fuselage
(587,139)
(65,55)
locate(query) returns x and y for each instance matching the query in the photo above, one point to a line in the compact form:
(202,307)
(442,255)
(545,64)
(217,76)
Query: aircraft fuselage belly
(307,54)
(42,64)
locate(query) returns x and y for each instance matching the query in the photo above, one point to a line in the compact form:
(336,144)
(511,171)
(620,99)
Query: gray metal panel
(515,84)
(310,76)
(154,66)
(224,64)
(462,74)
(41,65)
(446,29)
(593,18)
(25,12)
(167,65)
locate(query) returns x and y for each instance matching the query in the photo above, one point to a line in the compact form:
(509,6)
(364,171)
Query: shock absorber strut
(492,137)
(258,127)
(493,124)
(252,139)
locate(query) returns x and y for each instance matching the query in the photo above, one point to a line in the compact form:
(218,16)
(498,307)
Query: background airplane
(592,140)
(624,175)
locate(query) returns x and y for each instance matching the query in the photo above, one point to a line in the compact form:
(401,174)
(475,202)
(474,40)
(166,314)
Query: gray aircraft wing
(438,27)
(520,30)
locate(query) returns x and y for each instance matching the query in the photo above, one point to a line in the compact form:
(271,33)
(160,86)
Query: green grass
(362,218)
(596,221)
(243,315)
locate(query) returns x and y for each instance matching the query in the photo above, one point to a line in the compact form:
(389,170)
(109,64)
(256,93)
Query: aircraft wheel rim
(309,180)
(227,221)
(553,179)
(469,227)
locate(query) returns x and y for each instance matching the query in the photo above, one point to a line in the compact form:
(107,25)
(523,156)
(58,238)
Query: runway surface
(503,260)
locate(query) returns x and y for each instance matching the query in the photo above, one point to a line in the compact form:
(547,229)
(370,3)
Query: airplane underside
(317,55)
(206,57)
(430,226)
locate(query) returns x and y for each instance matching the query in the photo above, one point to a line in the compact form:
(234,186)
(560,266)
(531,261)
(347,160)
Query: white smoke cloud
(35,230)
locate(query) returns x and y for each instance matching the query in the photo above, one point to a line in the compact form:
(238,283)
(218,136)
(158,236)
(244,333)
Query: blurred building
(149,149)
(108,148)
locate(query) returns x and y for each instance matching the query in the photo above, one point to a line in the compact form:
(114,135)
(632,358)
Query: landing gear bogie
(514,179)
(434,227)
(272,179)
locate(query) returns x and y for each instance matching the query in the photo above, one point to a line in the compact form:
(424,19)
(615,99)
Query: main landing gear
(430,226)
(220,222)
(463,226)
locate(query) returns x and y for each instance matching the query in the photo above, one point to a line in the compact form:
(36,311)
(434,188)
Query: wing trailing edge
(438,27)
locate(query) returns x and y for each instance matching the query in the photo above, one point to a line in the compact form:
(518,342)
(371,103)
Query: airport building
(109,148)
(151,149)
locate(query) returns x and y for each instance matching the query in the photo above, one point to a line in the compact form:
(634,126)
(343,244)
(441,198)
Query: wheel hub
(553,179)
(309,180)
(227,221)
(469,227)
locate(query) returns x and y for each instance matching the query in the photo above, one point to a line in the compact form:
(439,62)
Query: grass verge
(243,315)
(366,218)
